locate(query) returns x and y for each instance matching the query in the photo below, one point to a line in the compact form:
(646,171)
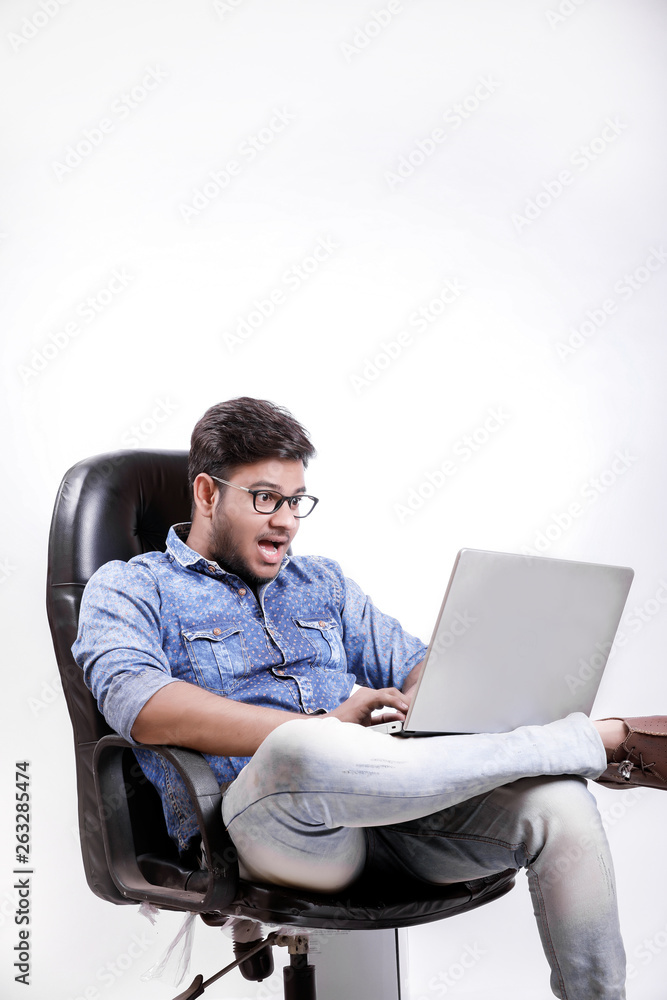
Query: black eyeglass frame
(255,493)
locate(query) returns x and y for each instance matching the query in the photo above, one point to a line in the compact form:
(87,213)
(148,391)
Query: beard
(225,552)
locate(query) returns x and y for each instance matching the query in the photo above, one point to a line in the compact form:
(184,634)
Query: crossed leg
(447,808)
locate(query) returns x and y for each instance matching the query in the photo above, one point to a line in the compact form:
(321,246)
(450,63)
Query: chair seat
(365,905)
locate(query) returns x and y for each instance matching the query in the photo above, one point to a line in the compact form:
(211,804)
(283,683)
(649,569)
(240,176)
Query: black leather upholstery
(108,507)
(113,507)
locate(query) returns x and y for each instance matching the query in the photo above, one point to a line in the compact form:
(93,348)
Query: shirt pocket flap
(323,636)
(217,656)
(323,624)
(212,634)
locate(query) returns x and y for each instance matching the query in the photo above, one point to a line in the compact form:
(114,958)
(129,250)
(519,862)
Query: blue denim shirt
(174,616)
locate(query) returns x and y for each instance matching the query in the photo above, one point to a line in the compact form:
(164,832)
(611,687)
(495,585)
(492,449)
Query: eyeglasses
(268,501)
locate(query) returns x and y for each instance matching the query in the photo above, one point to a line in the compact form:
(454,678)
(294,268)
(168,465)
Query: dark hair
(245,430)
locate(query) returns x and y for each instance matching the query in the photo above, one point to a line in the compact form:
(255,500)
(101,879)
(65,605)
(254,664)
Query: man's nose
(284,518)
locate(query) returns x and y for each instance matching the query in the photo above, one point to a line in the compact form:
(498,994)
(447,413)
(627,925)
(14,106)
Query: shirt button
(212,569)
(217,631)
(279,671)
(242,591)
(321,624)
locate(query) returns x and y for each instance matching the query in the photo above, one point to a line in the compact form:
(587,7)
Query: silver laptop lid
(520,640)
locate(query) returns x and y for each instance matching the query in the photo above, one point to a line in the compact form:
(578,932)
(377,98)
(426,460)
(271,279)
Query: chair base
(298,976)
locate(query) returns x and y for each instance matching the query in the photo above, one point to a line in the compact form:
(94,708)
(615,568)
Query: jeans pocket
(323,634)
(217,657)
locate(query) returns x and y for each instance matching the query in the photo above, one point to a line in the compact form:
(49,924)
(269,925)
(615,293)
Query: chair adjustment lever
(197,986)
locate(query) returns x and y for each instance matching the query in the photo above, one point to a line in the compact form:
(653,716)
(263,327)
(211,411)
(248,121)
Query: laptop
(519,640)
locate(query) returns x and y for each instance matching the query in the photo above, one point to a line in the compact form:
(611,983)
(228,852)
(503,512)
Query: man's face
(246,543)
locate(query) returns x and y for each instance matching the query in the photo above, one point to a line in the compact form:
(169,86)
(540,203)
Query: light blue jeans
(321,798)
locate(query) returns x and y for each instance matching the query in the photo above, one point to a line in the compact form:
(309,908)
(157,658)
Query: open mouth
(271,549)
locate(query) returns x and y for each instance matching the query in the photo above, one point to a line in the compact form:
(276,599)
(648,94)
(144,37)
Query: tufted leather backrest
(112,506)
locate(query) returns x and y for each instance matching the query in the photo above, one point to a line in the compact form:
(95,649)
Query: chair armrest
(221,865)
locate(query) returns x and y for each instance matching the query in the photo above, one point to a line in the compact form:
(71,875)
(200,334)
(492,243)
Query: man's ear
(205,492)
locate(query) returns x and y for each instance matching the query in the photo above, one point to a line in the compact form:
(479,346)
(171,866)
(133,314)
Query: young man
(227,645)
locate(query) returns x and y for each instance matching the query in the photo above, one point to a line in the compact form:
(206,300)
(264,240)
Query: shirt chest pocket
(323,636)
(217,657)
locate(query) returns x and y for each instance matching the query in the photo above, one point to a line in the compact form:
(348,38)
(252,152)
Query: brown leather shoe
(641,759)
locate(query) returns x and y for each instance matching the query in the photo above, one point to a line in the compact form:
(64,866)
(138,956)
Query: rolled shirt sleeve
(119,644)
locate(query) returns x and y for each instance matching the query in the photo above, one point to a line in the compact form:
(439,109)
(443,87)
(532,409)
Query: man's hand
(360,706)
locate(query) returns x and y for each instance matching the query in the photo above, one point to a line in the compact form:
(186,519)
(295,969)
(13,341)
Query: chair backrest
(112,506)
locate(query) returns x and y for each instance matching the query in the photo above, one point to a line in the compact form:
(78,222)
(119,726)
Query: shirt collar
(188,558)
(183,554)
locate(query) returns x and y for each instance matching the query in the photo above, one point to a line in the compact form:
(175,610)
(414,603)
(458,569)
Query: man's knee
(559,813)
(563,795)
(299,747)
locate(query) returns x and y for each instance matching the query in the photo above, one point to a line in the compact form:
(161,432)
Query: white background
(539,198)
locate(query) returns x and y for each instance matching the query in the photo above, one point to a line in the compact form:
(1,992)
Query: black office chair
(116,506)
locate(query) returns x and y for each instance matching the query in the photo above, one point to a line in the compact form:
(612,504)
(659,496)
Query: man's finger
(395,699)
(379,720)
